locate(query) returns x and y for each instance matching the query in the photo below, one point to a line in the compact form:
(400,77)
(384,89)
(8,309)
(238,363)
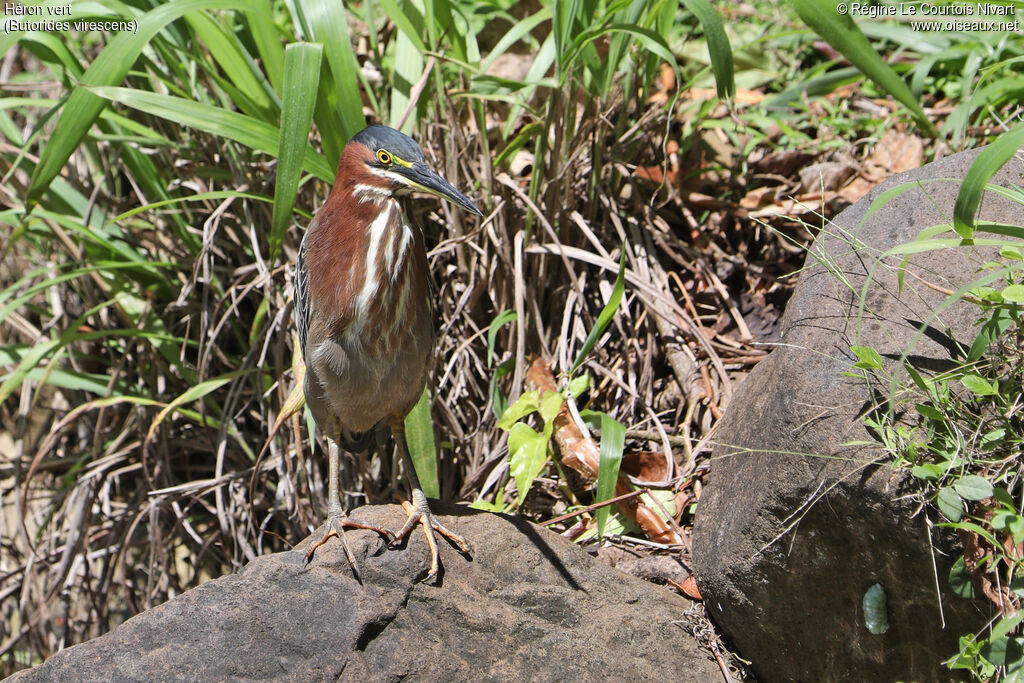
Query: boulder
(529,605)
(795,523)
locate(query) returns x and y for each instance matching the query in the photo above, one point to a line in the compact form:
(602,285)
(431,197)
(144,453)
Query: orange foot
(419,513)
(335,526)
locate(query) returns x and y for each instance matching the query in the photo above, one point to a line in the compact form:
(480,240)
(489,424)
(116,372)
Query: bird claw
(420,514)
(335,527)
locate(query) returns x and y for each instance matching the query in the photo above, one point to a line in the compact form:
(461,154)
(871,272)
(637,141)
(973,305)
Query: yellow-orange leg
(337,520)
(419,512)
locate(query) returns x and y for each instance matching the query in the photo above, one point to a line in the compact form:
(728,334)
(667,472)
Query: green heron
(365,317)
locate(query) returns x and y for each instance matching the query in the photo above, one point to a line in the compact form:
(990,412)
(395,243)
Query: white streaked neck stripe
(370,193)
(371,281)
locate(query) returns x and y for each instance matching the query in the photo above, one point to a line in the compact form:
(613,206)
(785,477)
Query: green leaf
(524,136)
(950,504)
(328,22)
(973,487)
(984,532)
(109,68)
(876,613)
(246,130)
(960,580)
(487,506)
(1007,624)
(887,196)
(929,471)
(499,403)
(408,62)
(242,74)
(998,322)
(1012,253)
(268,44)
(979,385)
(419,434)
(607,313)
(1014,294)
(528,402)
(613,437)
(1011,523)
(577,385)
(550,404)
(1003,651)
(929,411)
(517,32)
(191,394)
(1004,498)
(991,159)
(841,33)
(503,318)
(718,45)
(991,439)
(528,455)
(301,81)
(868,358)
(1016,529)
(1017,586)
(922,383)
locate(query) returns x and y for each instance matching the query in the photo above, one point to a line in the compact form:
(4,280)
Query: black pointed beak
(426,179)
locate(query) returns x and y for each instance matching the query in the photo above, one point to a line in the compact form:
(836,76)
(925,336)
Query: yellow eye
(383,157)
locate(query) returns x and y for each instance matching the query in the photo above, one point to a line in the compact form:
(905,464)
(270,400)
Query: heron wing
(301,297)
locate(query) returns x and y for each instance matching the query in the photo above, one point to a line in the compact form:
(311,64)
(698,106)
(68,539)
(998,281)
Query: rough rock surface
(793,526)
(528,606)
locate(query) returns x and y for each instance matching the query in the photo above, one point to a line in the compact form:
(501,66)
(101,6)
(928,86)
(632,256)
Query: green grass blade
(409,64)
(893,192)
(268,44)
(718,46)
(841,33)
(419,434)
(201,197)
(238,67)
(403,22)
(613,439)
(246,130)
(504,317)
(991,159)
(191,394)
(328,21)
(301,81)
(518,31)
(607,313)
(110,68)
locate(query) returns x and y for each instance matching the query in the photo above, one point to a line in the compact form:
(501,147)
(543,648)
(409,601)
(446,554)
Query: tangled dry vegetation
(117,503)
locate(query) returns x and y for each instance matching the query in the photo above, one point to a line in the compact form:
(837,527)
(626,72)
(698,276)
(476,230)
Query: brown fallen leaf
(827,175)
(645,466)
(759,197)
(583,455)
(784,163)
(688,588)
(983,574)
(895,153)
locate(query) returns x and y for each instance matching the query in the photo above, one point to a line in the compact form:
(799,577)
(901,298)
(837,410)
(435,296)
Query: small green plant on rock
(960,435)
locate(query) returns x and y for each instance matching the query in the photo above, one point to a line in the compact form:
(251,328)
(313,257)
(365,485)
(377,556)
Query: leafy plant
(964,447)
(530,450)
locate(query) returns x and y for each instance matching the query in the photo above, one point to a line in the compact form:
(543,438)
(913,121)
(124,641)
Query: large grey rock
(528,606)
(793,526)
